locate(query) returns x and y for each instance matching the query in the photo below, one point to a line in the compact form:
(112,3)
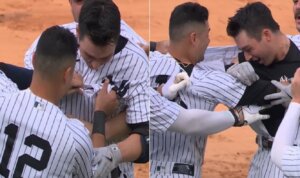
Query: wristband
(99,122)
(237,121)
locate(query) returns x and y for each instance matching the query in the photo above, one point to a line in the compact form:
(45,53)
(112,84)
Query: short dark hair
(56,50)
(100,20)
(252,18)
(186,14)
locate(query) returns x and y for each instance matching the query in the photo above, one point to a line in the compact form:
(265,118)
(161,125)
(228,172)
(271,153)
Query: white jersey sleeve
(291,161)
(29,54)
(216,86)
(130,34)
(163,112)
(83,149)
(295,39)
(6,85)
(284,154)
(226,54)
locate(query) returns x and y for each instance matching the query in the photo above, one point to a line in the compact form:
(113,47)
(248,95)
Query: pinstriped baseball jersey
(6,85)
(126,31)
(290,161)
(206,91)
(225,54)
(262,166)
(163,112)
(295,39)
(38,140)
(129,64)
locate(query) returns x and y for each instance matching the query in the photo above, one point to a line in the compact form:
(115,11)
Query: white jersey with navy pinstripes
(129,66)
(38,140)
(208,88)
(163,113)
(126,31)
(6,85)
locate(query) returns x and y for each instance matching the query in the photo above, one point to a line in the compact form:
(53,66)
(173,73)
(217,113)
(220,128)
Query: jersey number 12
(11,130)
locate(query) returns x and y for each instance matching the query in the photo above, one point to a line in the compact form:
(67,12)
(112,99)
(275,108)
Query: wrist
(117,152)
(238,120)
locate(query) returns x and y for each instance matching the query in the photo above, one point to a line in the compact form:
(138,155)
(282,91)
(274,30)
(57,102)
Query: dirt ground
(228,153)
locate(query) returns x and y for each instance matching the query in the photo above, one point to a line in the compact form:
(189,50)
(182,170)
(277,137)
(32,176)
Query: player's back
(37,140)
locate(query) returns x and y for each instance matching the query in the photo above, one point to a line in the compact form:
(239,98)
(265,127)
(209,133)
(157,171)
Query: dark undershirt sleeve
(254,94)
(19,75)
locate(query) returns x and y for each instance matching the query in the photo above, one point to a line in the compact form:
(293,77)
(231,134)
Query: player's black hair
(100,21)
(253,18)
(186,14)
(56,50)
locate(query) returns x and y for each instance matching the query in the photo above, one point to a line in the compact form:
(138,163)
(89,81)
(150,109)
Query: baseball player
(105,53)
(69,155)
(285,153)
(174,154)
(126,31)
(273,56)
(32,124)
(209,87)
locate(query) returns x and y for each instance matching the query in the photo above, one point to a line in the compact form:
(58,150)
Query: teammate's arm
(283,153)
(135,148)
(105,104)
(259,89)
(19,75)
(115,127)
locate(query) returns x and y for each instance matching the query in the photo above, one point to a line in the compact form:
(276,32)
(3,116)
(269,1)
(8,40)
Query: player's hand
(250,114)
(296,87)
(181,81)
(244,72)
(284,96)
(106,159)
(76,84)
(106,101)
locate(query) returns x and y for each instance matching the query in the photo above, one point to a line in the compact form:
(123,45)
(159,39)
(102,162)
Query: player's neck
(45,90)
(283,47)
(179,52)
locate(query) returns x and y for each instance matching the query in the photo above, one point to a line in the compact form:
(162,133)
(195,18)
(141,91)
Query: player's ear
(193,38)
(68,75)
(267,34)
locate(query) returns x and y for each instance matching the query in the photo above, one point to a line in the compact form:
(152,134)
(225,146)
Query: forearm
(130,148)
(286,133)
(201,122)
(116,127)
